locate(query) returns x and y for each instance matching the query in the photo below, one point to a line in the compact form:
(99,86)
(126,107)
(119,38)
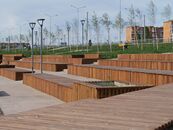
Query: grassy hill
(104,50)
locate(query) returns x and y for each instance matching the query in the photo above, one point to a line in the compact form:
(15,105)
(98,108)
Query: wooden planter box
(14,73)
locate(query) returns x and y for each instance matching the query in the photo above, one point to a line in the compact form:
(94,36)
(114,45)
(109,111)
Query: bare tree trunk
(109,40)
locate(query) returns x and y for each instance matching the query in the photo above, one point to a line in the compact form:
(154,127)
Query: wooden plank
(149,109)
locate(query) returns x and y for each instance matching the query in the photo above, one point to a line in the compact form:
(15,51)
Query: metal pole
(32,54)
(78,30)
(87,30)
(20,37)
(41,46)
(83,23)
(32,26)
(83,35)
(69,38)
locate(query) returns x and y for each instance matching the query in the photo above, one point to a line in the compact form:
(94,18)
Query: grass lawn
(104,50)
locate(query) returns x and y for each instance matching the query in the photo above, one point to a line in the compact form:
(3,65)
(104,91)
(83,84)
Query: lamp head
(40,21)
(68,28)
(32,25)
(83,22)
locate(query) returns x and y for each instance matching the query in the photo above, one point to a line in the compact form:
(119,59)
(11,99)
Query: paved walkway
(22,98)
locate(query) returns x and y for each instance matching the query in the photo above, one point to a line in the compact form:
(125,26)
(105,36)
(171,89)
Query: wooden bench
(144,64)
(75,59)
(47,66)
(72,90)
(123,74)
(7,58)
(14,73)
(2,66)
(56,86)
(154,57)
(103,89)
(93,56)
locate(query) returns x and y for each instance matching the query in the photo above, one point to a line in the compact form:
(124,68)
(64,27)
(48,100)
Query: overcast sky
(14,13)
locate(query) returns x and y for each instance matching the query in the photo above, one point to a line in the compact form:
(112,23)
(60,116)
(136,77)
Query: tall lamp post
(40,22)
(50,35)
(68,31)
(32,26)
(78,11)
(83,22)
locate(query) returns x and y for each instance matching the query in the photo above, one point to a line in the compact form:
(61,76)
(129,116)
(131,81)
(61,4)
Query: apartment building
(168,31)
(136,33)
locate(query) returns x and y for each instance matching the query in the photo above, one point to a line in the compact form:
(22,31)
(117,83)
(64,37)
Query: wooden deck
(123,74)
(149,109)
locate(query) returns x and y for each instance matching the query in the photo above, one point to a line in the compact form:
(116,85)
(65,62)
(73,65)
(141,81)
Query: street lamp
(50,18)
(68,30)
(40,22)
(82,22)
(32,26)
(78,11)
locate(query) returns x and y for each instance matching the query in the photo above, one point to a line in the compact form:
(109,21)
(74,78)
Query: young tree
(167,12)
(46,33)
(58,34)
(119,24)
(139,17)
(152,10)
(131,16)
(107,23)
(96,27)
(75,30)
(139,22)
